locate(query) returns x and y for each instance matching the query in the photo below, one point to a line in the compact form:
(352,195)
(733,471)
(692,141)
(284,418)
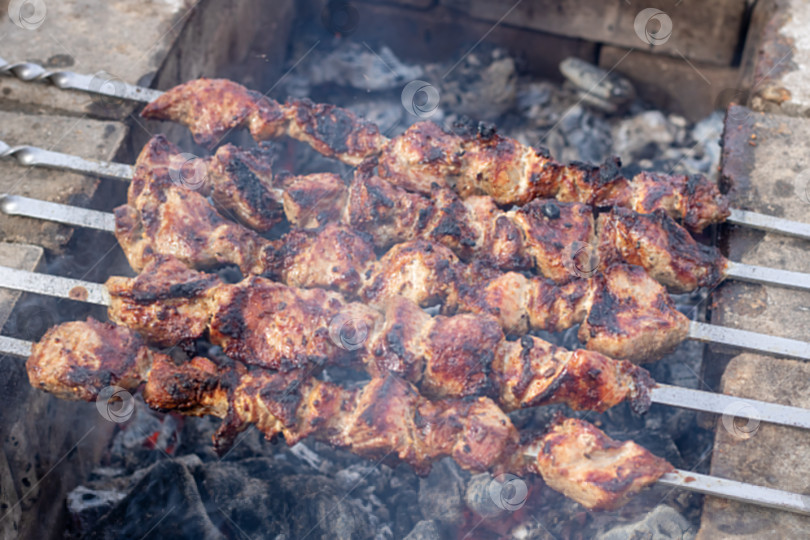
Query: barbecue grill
(430,267)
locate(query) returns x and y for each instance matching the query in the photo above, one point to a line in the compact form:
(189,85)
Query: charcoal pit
(550,74)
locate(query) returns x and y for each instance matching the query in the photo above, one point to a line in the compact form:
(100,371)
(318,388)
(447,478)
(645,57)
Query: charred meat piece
(386,419)
(213,107)
(658,244)
(270,325)
(76,360)
(532,372)
(475,160)
(631,316)
(580,461)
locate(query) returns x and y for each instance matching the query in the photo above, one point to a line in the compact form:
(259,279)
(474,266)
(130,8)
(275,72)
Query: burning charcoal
(662,523)
(165,504)
(478,496)
(441,493)
(264,498)
(632,136)
(406,512)
(361,67)
(425,530)
(607,91)
(87,505)
(587,134)
(482,86)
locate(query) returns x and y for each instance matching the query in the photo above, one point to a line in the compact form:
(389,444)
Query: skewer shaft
(101,83)
(706,333)
(58,286)
(738,491)
(769,223)
(701,483)
(749,341)
(35,156)
(768,276)
(722,404)
(96,293)
(17,205)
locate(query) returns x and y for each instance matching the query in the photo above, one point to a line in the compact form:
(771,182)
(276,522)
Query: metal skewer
(730,489)
(706,333)
(96,293)
(102,84)
(701,483)
(30,155)
(31,72)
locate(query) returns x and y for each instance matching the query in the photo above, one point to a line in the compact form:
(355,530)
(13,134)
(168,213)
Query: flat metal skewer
(728,489)
(768,223)
(701,483)
(96,293)
(72,215)
(116,88)
(707,333)
(102,83)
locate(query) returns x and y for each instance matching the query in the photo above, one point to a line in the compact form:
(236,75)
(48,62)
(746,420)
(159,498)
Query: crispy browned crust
(314,200)
(76,360)
(167,303)
(241,183)
(475,161)
(658,244)
(387,419)
(631,316)
(550,229)
(691,198)
(211,108)
(532,372)
(580,461)
(270,325)
(164,217)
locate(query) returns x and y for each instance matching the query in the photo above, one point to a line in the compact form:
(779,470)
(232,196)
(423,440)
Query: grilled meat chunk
(579,460)
(386,419)
(76,360)
(631,316)
(213,107)
(656,243)
(474,161)
(270,325)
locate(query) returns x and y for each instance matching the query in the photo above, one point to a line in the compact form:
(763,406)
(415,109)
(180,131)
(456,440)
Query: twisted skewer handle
(101,83)
(32,155)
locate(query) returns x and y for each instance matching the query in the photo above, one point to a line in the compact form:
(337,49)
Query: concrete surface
(22,256)
(693,89)
(763,159)
(700,30)
(777,57)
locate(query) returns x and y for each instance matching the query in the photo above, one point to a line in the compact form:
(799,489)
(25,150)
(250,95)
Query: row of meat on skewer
(440,385)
